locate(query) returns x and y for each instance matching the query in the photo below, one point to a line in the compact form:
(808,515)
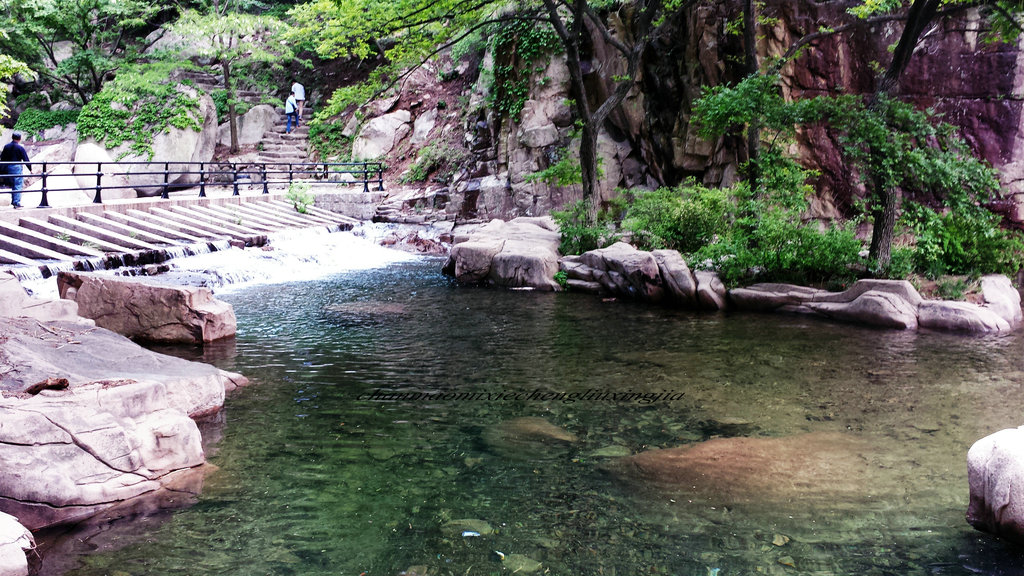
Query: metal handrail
(233,174)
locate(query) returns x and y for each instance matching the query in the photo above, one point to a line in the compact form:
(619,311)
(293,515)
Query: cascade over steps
(147,232)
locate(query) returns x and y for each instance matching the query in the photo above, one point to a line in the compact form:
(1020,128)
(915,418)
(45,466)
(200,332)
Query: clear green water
(311,480)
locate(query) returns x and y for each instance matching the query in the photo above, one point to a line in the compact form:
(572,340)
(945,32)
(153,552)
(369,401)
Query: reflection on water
(368,430)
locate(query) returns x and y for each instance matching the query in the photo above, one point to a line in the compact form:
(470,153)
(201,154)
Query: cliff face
(651,140)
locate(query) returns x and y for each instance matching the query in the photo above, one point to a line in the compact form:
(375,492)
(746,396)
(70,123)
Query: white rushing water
(299,255)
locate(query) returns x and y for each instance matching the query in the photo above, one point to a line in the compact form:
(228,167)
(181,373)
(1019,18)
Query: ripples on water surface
(313,481)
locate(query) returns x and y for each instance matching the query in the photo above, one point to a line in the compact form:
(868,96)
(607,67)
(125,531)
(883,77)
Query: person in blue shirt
(15,152)
(291,109)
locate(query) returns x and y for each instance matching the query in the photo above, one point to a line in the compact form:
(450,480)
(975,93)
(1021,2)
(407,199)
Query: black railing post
(43,202)
(380,177)
(167,168)
(98,199)
(263,176)
(202,180)
(234,170)
(291,174)
(366,177)
(325,172)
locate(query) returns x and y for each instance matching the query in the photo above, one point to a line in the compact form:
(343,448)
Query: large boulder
(380,135)
(680,283)
(15,541)
(521,253)
(252,126)
(1002,298)
(148,311)
(959,317)
(711,292)
(93,158)
(66,454)
(88,418)
(173,146)
(874,308)
(995,474)
(623,270)
(15,302)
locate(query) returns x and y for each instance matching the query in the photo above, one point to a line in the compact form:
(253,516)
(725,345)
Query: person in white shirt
(299,91)
(291,111)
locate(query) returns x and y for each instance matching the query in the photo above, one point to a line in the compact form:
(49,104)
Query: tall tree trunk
(884,229)
(232,117)
(588,134)
(751,67)
(887,197)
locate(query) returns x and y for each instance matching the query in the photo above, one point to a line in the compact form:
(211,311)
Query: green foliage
(562,278)
(577,235)
(438,158)
(329,141)
(300,196)
(221,99)
(35,121)
(952,288)
(516,45)
(893,146)
(770,242)
(565,171)
(9,68)
(967,240)
(684,219)
(104,35)
(135,107)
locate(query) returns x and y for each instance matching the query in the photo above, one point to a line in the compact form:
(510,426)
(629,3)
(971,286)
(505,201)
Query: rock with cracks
(149,312)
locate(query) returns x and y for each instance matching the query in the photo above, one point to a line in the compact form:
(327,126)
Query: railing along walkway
(160,178)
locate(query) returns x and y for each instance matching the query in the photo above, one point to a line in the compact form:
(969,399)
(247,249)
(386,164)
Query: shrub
(440,159)
(577,235)
(684,219)
(300,196)
(966,240)
(35,121)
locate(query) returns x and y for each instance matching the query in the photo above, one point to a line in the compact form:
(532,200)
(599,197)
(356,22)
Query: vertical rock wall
(651,139)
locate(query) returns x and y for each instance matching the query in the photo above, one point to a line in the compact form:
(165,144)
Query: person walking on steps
(15,152)
(299,91)
(291,111)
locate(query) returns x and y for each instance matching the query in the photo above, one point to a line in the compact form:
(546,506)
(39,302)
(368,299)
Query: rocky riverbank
(523,253)
(89,419)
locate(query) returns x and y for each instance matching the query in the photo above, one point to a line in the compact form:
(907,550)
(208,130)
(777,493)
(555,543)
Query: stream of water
(316,476)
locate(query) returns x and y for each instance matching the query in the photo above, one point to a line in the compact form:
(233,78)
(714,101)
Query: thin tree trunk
(751,67)
(578,90)
(232,117)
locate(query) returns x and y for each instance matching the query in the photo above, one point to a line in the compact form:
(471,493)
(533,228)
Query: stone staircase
(277,146)
(149,231)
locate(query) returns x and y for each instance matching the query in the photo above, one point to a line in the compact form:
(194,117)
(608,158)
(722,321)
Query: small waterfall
(295,256)
(289,256)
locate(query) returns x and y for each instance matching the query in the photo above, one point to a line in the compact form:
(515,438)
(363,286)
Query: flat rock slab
(32,351)
(820,468)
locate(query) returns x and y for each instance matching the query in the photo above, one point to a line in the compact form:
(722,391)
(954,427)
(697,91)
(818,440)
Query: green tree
(231,40)
(9,68)
(76,45)
(880,168)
